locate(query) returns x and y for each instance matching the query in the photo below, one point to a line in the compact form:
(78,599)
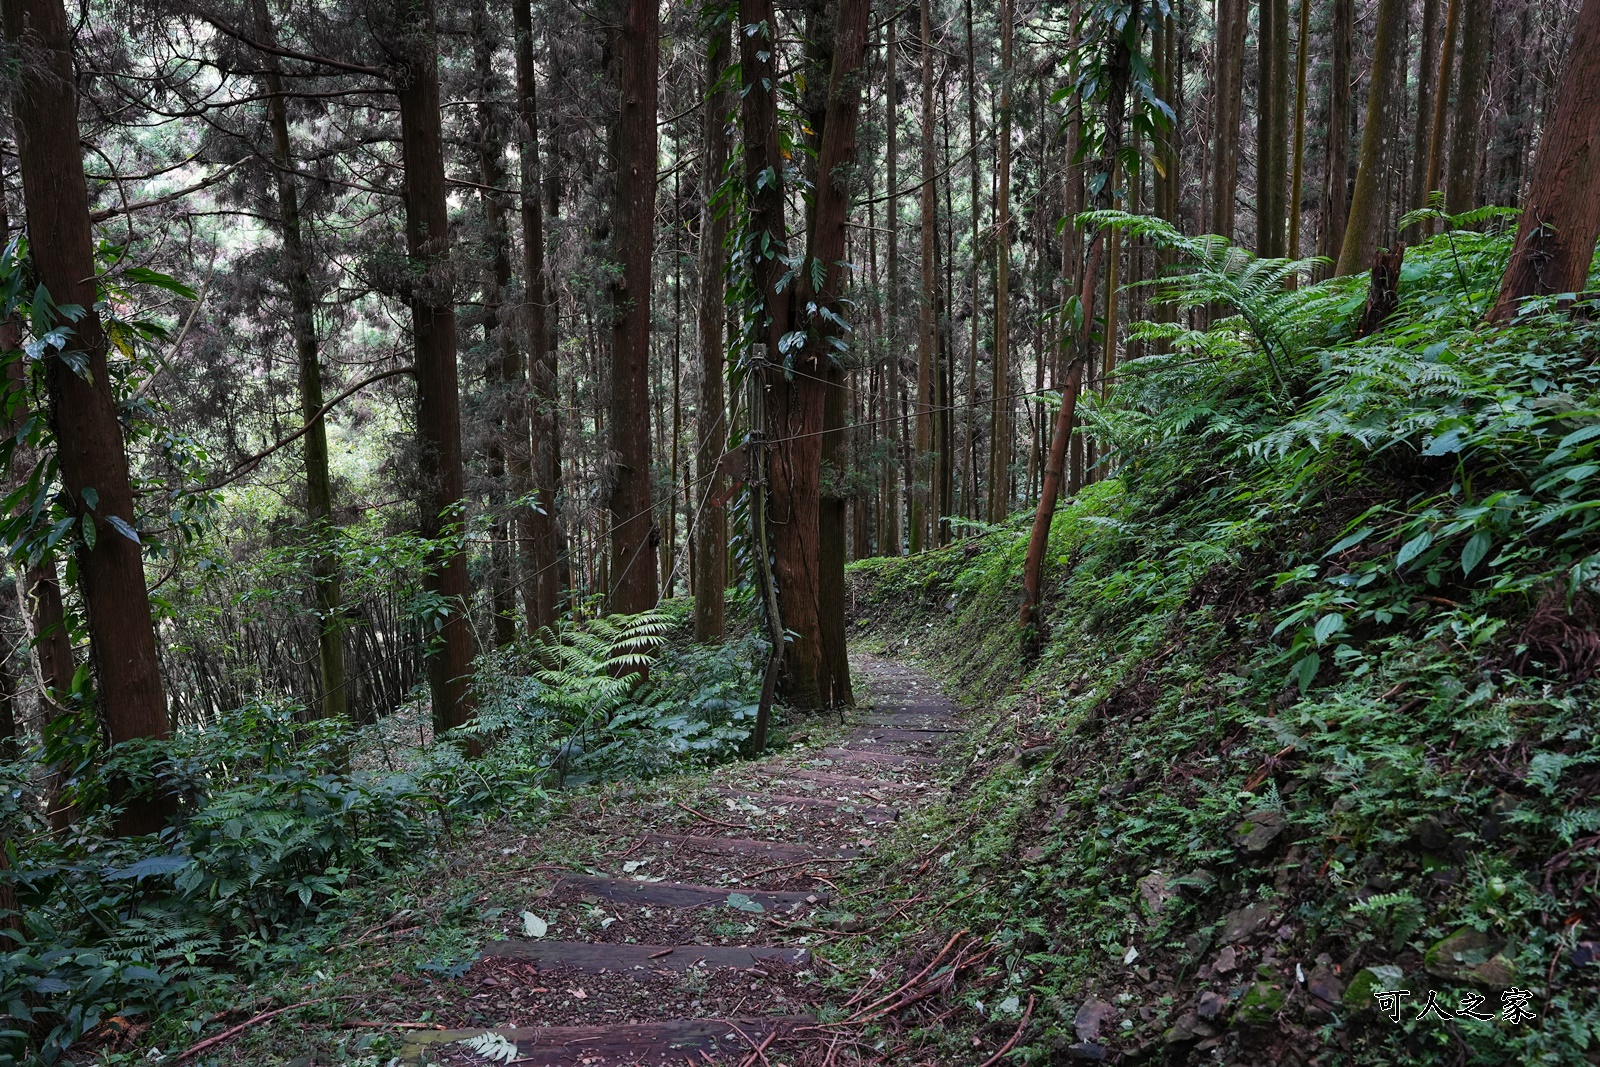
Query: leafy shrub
(587,712)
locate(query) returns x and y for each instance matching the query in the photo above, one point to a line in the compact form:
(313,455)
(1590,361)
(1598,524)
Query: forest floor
(671,921)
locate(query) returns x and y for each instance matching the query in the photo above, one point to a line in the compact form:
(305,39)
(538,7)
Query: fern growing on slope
(1212,271)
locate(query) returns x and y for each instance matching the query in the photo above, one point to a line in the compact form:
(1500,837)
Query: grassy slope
(1427,803)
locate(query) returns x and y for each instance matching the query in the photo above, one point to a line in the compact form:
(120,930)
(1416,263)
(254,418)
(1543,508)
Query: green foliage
(1331,655)
(281,819)
(1213,271)
(587,711)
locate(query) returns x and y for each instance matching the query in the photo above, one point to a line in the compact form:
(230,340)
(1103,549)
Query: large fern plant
(1209,271)
(586,671)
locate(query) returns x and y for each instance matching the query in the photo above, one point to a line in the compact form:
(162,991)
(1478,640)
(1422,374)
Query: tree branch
(248,465)
(289,53)
(127,209)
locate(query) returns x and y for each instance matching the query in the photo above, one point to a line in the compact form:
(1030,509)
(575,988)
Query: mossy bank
(1311,720)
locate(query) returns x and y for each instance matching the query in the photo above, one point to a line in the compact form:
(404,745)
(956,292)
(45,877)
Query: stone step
(920,740)
(592,958)
(868,812)
(881,757)
(680,894)
(912,720)
(674,1042)
(775,851)
(829,779)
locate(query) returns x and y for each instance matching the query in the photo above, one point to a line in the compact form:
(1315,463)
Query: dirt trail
(687,945)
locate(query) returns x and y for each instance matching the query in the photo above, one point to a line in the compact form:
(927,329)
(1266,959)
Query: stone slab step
(672,1042)
(828,779)
(681,894)
(868,812)
(922,740)
(910,720)
(776,851)
(591,958)
(881,757)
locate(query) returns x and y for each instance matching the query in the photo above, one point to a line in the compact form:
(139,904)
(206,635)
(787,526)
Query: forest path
(692,941)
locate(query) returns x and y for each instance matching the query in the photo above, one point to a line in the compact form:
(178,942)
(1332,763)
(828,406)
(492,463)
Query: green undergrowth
(287,831)
(1312,714)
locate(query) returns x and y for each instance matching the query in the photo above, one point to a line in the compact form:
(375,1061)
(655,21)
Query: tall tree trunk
(93,464)
(1557,232)
(325,572)
(972,480)
(1508,148)
(711,550)
(894,540)
(1049,491)
(1119,71)
(1422,136)
(792,474)
(1229,107)
(509,435)
(806,422)
(1366,203)
(536,461)
(924,498)
(1441,99)
(1272,100)
(634,535)
(1001,433)
(943,433)
(1460,184)
(1336,189)
(433,318)
(1297,176)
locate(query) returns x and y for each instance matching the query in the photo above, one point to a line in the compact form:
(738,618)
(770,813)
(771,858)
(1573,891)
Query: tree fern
(1212,271)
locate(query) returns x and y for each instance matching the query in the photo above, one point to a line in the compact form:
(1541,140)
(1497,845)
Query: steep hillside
(1312,718)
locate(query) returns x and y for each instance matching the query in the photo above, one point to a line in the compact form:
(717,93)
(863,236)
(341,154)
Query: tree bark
(1336,191)
(1460,186)
(39,588)
(894,540)
(507,446)
(535,465)
(808,533)
(1557,233)
(973,506)
(924,496)
(828,244)
(790,475)
(1441,99)
(325,572)
(1272,100)
(1297,176)
(92,461)
(711,549)
(634,534)
(1049,490)
(1229,75)
(433,323)
(52,648)
(1427,59)
(1001,433)
(1366,203)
